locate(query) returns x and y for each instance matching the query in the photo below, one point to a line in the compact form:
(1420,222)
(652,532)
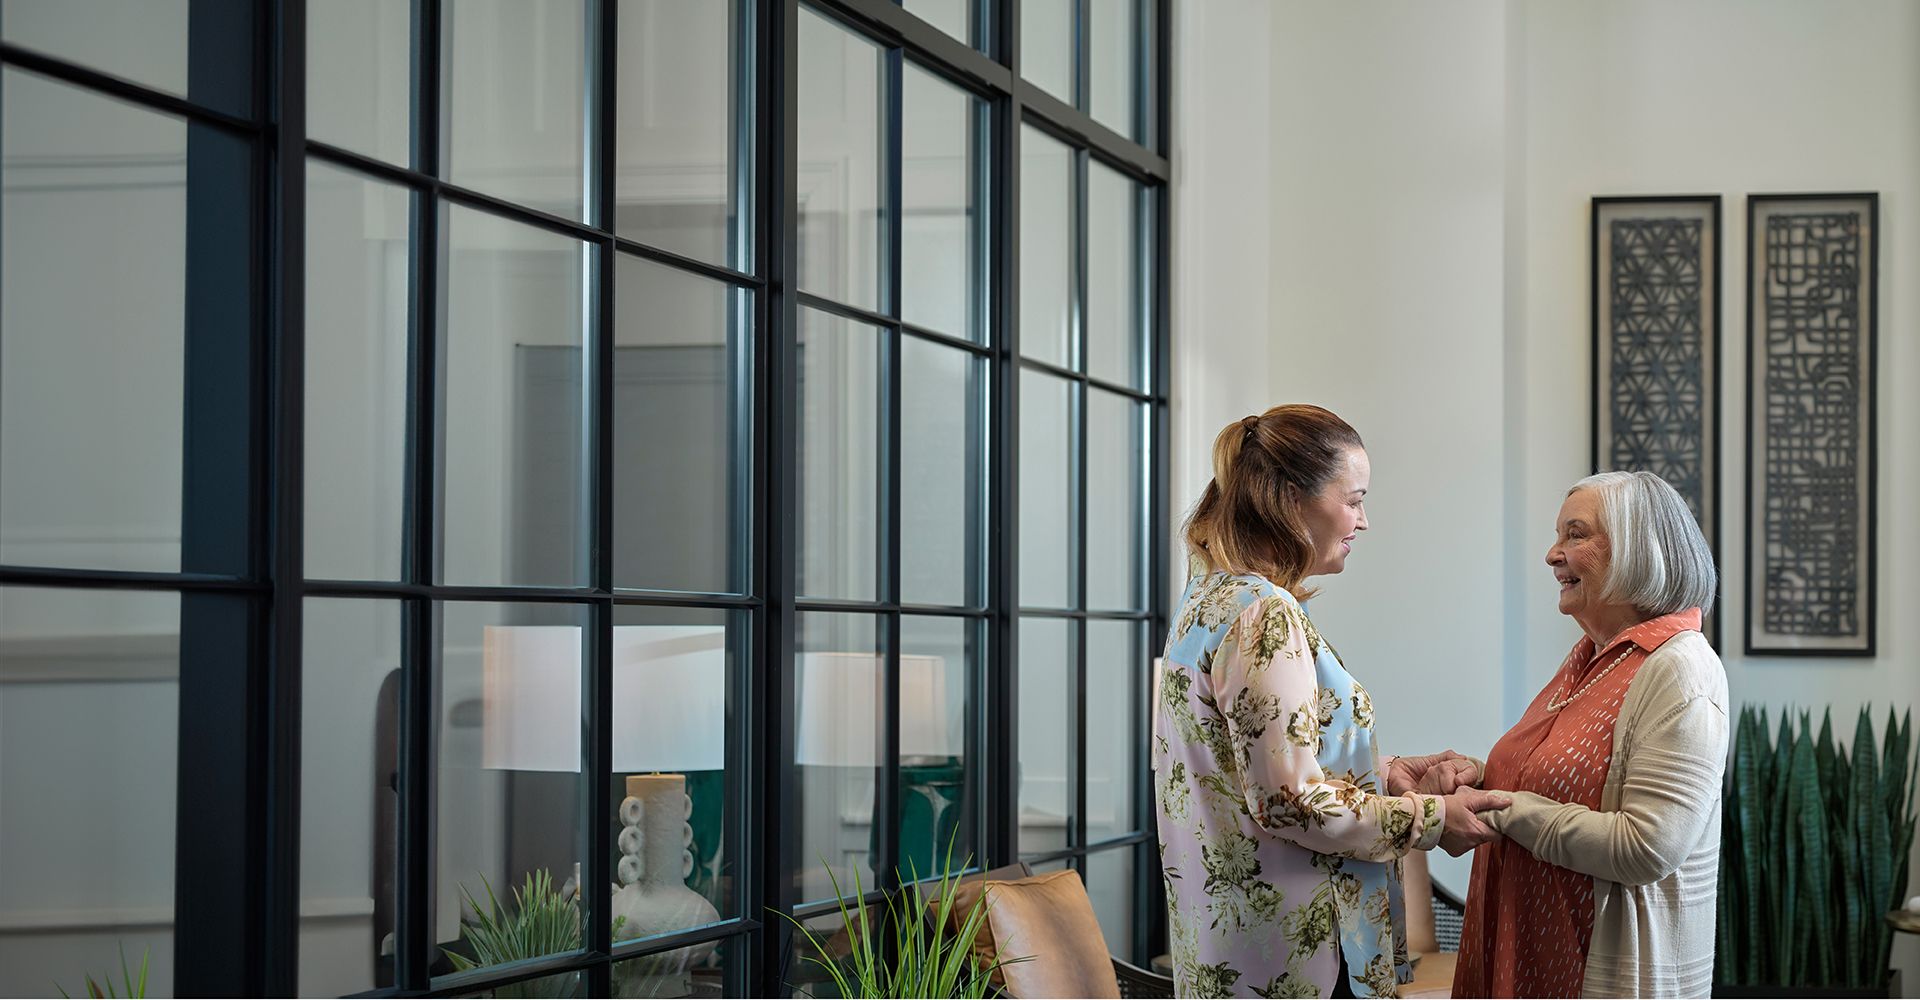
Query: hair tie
(1251,424)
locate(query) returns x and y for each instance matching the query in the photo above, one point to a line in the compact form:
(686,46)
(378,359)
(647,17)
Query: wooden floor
(1432,976)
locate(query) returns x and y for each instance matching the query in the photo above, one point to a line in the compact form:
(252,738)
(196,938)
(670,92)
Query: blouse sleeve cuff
(1430,821)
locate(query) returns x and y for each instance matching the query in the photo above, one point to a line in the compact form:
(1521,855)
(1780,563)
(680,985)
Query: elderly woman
(1604,883)
(1279,828)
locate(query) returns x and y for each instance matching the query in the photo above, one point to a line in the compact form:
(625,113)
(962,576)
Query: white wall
(1386,304)
(1427,170)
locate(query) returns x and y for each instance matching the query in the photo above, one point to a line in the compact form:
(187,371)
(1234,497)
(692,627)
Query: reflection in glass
(92,328)
(349,791)
(678,339)
(1109,878)
(938,658)
(508,783)
(515,100)
(145,41)
(955,17)
(1112,28)
(676,184)
(839,455)
(359,78)
(1116,341)
(1047,517)
(941,248)
(1046,753)
(89,726)
(1046,45)
(1116,501)
(942,474)
(673,692)
(838,708)
(1115,720)
(1047,272)
(841,122)
(514,370)
(702,970)
(356,385)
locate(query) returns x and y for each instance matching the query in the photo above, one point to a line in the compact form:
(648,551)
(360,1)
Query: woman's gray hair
(1660,561)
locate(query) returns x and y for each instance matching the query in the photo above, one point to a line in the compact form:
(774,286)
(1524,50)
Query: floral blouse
(1276,841)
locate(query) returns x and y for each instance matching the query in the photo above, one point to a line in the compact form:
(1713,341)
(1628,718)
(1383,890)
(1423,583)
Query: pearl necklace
(1555,706)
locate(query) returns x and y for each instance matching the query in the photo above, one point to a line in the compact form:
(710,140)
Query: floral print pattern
(1278,850)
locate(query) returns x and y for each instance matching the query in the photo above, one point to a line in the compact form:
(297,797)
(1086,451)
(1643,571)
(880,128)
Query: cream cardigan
(1653,848)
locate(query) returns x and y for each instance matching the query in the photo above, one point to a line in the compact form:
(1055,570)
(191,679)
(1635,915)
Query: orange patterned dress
(1528,923)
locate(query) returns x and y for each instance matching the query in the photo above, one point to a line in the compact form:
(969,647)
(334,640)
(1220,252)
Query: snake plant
(1814,842)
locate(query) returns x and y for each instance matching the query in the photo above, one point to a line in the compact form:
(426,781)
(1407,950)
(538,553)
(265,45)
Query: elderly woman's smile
(1579,557)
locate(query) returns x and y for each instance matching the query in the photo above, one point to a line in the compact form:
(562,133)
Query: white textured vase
(658,900)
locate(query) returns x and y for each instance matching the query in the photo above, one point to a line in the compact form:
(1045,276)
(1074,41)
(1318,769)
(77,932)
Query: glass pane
(1112,28)
(839,456)
(1047,274)
(1116,726)
(508,789)
(144,41)
(1116,501)
(1109,878)
(1046,45)
(356,386)
(513,367)
(1047,514)
(938,661)
(680,343)
(359,83)
(92,329)
(841,122)
(1046,700)
(1116,345)
(678,183)
(837,698)
(955,17)
(349,795)
(516,100)
(89,726)
(712,969)
(942,474)
(941,285)
(673,692)
(803,973)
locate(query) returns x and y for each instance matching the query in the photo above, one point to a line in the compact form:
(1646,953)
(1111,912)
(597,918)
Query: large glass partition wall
(509,495)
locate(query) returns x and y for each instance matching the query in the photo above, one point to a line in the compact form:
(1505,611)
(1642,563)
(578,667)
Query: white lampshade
(840,696)
(669,698)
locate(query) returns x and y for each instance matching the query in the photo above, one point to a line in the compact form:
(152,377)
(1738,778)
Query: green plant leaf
(1806,804)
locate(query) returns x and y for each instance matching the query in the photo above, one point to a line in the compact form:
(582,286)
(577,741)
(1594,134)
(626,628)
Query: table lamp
(669,717)
(839,722)
(839,698)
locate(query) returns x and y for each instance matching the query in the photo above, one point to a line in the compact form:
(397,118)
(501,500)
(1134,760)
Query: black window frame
(242,580)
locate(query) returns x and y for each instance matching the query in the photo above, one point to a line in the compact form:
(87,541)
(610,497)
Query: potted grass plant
(917,948)
(1813,855)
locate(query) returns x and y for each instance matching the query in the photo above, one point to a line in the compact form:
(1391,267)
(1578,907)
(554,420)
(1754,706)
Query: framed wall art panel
(1656,348)
(1812,261)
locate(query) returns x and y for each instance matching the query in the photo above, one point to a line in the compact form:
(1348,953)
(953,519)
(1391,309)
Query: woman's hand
(1434,774)
(1449,775)
(1464,828)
